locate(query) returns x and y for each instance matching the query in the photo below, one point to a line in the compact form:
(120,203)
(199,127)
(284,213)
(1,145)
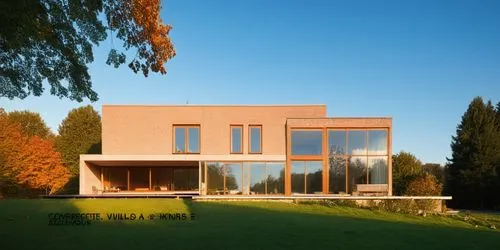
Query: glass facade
(307,177)
(247,178)
(356,157)
(307,142)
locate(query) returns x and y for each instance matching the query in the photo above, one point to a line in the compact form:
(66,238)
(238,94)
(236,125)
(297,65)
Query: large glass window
(255,141)
(306,142)
(186,139)
(357,172)
(337,142)
(377,142)
(307,177)
(257,178)
(236,139)
(357,142)
(377,170)
(248,178)
(234,178)
(337,170)
(275,178)
(215,178)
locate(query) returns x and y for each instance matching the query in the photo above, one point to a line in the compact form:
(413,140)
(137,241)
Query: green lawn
(232,225)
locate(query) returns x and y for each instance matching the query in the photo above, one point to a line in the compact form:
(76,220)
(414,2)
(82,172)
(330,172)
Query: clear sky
(420,62)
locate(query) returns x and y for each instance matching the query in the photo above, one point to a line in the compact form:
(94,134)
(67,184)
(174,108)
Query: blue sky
(420,62)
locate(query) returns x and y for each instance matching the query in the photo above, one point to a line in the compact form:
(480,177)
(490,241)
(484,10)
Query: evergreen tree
(472,176)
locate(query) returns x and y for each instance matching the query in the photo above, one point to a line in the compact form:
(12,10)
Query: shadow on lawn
(225,226)
(249,226)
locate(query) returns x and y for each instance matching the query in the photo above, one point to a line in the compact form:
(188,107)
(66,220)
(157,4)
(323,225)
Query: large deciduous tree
(79,133)
(31,124)
(39,167)
(472,172)
(52,40)
(405,168)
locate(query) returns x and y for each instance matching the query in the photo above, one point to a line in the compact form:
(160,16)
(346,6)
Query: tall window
(187,139)
(236,139)
(255,134)
(356,156)
(307,177)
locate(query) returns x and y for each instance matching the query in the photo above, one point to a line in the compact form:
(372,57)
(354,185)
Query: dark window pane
(236,136)
(275,178)
(139,179)
(215,178)
(357,172)
(186,178)
(115,178)
(234,178)
(337,165)
(255,139)
(257,178)
(357,142)
(377,142)
(337,142)
(378,170)
(194,140)
(314,177)
(180,140)
(306,142)
(298,177)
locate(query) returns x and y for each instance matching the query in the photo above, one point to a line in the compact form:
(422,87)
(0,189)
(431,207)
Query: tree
(405,168)
(31,124)
(472,176)
(51,40)
(434,169)
(11,142)
(79,133)
(39,167)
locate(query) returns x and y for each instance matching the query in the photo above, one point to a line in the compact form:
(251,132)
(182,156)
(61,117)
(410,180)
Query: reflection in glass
(236,136)
(275,178)
(306,142)
(180,140)
(377,142)
(357,142)
(215,178)
(378,169)
(314,170)
(337,141)
(115,178)
(194,140)
(186,179)
(257,178)
(337,168)
(255,139)
(298,176)
(357,171)
(139,179)
(234,178)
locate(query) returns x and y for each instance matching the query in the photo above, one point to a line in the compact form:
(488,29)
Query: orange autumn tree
(39,167)
(11,143)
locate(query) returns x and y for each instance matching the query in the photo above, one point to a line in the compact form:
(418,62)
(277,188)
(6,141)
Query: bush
(397,206)
(424,185)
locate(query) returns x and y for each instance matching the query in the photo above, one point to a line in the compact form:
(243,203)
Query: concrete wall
(129,129)
(90,175)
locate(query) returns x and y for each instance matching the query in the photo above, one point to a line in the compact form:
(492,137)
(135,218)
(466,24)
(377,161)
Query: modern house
(238,150)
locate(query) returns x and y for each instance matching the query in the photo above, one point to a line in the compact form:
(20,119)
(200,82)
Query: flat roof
(214,105)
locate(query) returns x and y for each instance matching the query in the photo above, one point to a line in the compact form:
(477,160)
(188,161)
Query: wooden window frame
(250,138)
(231,138)
(186,138)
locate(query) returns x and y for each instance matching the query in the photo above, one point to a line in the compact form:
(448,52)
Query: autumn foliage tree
(39,167)
(28,164)
(52,41)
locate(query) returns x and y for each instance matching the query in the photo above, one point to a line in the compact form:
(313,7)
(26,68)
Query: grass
(233,225)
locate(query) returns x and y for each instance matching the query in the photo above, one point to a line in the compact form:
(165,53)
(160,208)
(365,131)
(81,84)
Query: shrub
(424,185)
